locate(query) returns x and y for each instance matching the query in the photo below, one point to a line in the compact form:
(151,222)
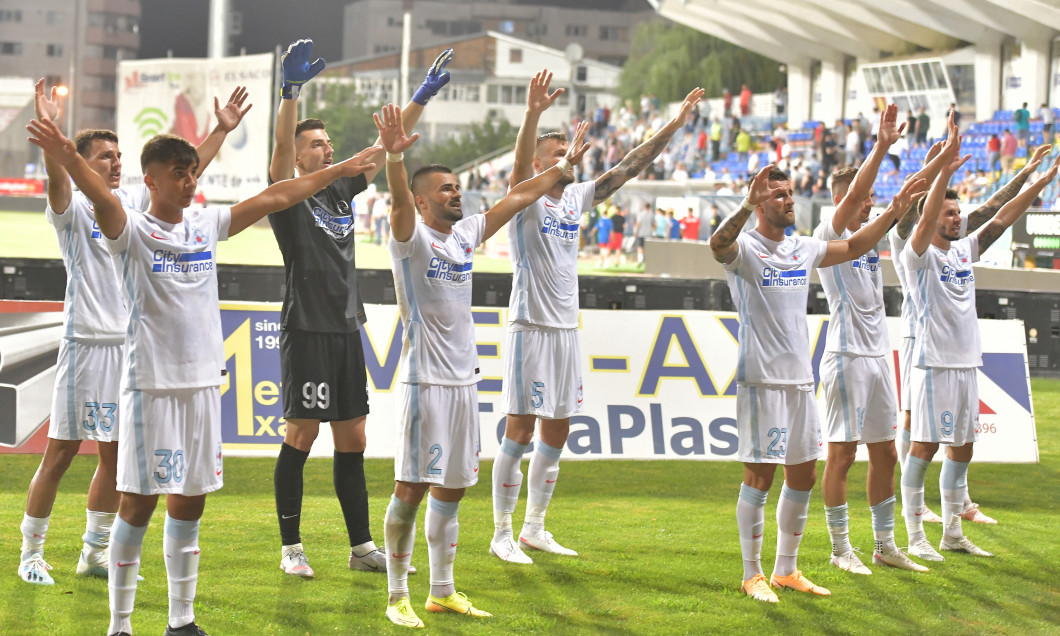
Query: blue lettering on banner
(553,227)
(773,277)
(441,269)
(167,262)
(673,330)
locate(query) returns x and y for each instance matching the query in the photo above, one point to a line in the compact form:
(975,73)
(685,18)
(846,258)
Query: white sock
(97,530)
(883,524)
(953,484)
(399,536)
(180,544)
(913,497)
(442,530)
(751,522)
(126,543)
(364,549)
(507,483)
(792,511)
(904,442)
(543,473)
(34,529)
(838,528)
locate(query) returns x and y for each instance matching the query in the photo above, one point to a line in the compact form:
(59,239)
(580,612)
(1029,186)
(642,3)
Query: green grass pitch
(659,555)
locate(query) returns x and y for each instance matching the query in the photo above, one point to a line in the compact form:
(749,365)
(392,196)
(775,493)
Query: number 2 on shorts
(436,451)
(779,438)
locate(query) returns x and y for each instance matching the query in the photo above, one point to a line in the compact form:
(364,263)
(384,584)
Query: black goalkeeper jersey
(317,241)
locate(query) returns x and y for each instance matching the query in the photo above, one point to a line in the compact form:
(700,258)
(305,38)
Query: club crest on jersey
(337,225)
(563,230)
(199,237)
(783,278)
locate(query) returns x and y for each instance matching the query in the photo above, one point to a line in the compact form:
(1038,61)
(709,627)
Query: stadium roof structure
(800,33)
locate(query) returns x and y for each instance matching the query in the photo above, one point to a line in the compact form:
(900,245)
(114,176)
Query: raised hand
(686,106)
(912,191)
(358,163)
(955,159)
(576,149)
(538,99)
(890,131)
(1050,174)
(1039,155)
(391,132)
(46,135)
(934,151)
(760,192)
(437,77)
(232,113)
(297,68)
(46,107)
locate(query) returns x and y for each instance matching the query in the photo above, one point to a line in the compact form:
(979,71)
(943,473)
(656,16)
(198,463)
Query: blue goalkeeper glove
(297,69)
(437,77)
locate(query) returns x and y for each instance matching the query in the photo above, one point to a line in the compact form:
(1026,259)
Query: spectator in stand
(894,153)
(618,235)
(851,147)
(780,100)
(603,238)
(680,172)
(1048,116)
(828,152)
(715,140)
(381,218)
(743,145)
(910,129)
(1008,152)
(874,124)
(662,227)
(1022,119)
(745,101)
(690,226)
(923,122)
(701,144)
(993,149)
(674,226)
(715,218)
(726,100)
(643,228)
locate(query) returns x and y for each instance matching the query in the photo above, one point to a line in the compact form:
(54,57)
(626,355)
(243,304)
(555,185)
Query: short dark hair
(421,174)
(308,124)
(555,135)
(85,138)
(168,149)
(842,178)
(951,195)
(776,174)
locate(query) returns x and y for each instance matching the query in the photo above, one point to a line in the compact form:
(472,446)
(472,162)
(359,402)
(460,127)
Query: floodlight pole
(217,46)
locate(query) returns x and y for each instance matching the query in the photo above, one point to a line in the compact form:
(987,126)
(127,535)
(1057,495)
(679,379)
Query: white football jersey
(855,300)
(543,243)
(769,283)
(897,245)
(93,308)
(169,279)
(943,292)
(432,279)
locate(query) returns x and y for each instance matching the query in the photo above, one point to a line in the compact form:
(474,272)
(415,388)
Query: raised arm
(1015,208)
(533,189)
(723,240)
(63,152)
(538,99)
(227,120)
(868,236)
(395,142)
(297,70)
(641,157)
(437,77)
(59,190)
(861,186)
(284,194)
(1005,194)
(925,228)
(933,163)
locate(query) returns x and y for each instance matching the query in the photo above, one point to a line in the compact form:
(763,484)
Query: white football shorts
(778,424)
(905,361)
(543,372)
(439,438)
(859,402)
(945,406)
(87,391)
(170,442)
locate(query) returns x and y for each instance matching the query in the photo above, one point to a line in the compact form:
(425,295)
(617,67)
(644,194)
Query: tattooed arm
(723,241)
(1014,209)
(1004,195)
(641,157)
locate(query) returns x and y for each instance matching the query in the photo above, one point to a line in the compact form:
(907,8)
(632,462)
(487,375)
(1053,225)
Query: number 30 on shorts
(316,395)
(170,466)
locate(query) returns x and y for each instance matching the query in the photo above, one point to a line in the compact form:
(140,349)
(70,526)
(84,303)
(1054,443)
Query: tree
(481,139)
(348,118)
(667,60)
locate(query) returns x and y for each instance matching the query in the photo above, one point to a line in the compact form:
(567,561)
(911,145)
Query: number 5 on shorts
(536,398)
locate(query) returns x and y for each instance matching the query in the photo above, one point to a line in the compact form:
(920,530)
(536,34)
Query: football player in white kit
(944,395)
(860,405)
(776,412)
(439,429)
(543,377)
(898,237)
(85,402)
(170,440)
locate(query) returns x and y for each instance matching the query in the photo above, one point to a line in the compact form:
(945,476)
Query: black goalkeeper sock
(353,495)
(288,483)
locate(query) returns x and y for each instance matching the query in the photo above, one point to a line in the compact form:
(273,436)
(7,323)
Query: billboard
(176,96)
